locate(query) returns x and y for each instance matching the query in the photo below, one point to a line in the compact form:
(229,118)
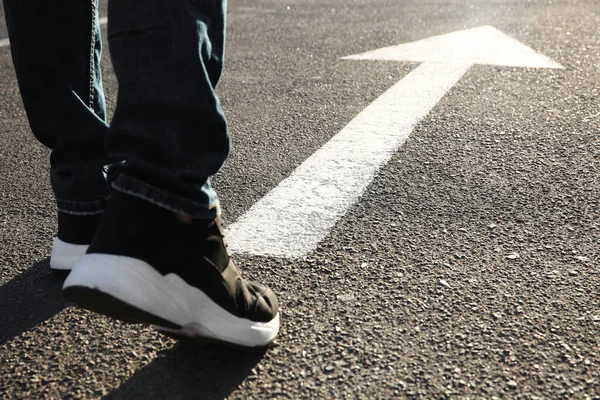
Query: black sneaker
(75,233)
(146,265)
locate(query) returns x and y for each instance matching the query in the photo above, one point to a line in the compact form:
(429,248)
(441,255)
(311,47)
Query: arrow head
(482,45)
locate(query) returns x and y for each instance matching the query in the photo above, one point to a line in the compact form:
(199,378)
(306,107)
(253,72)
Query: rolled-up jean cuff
(81,207)
(195,209)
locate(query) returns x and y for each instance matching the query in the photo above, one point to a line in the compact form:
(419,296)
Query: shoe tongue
(206,234)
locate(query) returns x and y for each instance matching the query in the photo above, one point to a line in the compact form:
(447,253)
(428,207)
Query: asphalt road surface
(469,267)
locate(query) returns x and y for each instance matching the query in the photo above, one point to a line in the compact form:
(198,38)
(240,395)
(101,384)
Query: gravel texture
(470,267)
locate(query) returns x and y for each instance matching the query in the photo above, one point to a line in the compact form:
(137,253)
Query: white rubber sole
(65,255)
(168,297)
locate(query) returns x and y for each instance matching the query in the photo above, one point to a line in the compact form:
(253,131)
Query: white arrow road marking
(6,42)
(483,45)
(293,218)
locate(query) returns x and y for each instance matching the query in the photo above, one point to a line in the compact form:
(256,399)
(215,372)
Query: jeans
(168,134)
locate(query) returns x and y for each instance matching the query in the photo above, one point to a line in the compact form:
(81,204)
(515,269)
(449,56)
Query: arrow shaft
(293,218)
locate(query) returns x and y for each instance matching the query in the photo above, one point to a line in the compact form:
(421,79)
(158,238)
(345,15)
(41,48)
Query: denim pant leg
(56,53)
(168,125)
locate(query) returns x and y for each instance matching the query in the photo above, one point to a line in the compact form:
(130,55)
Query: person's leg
(158,256)
(56,53)
(168,125)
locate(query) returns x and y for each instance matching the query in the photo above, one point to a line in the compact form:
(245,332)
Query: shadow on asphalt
(190,370)
(29,299)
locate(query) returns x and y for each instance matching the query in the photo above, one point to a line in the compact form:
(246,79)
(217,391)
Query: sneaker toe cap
(265,304)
